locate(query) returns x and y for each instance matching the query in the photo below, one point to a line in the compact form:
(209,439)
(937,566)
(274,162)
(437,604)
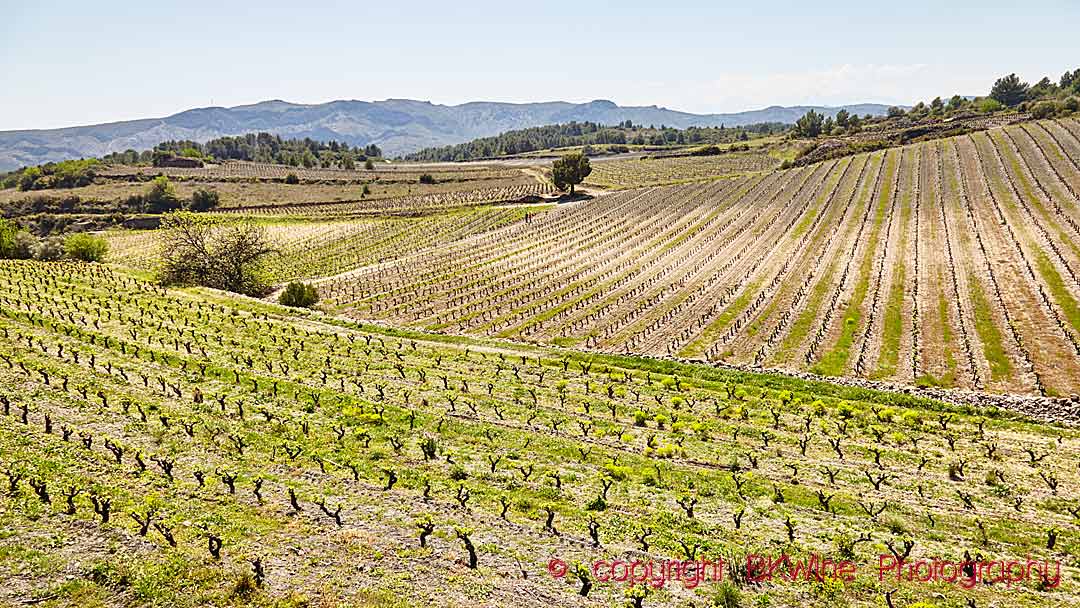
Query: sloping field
(951,262)
(188,448)
(307,249)
(632,173)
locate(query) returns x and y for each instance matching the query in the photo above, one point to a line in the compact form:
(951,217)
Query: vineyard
(636,173)
(187,447)
(528,191)
(262,189)
(944,263)
(242,170)
(307,249)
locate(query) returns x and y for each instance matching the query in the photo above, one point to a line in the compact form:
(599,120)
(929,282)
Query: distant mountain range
(398,126)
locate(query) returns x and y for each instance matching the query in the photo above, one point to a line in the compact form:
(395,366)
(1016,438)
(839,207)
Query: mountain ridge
(398,126)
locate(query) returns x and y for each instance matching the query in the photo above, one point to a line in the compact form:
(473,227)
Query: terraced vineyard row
(189,448)
(308,249)
(510,192)
(244,170)
(952,262)
(659,171)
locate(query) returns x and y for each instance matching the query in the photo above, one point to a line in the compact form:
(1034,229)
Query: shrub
(86,247)
(161,197)
(616,472)
(1072,104)
(198,251)
(8,231)
(427,178)
(369,165)
(63,174)
(597,504)
(727,595)
(204,199)
(49,249)
(299,295)
(989,105)
(25,245)
(291,178)
(1045,109)
(845,411)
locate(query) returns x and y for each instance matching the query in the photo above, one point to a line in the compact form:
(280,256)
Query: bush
(25,245)
(1072,104)
(198,250)
(9,231)
(1045,109)
(204,199)
(86,247)
(299,295)
(427,178)
(989,105)
(291,178)
(161,198)
(597,504)
(49,249)
(63,174)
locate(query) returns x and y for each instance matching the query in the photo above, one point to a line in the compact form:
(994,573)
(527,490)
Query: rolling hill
(398,126)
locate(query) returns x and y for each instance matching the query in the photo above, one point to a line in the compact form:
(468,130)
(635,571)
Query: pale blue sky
(69,63)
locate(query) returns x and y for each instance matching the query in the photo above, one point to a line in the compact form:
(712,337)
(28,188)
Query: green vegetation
(299,295)
(64,174)
(574,134)
(288,448)
(569,170)
(9,232)
(257,147)
(86,247)
(989,333)
(810,125)
(893,318)
(834,361)
(201,251)
(949,377)
(204,199)
(1059,291)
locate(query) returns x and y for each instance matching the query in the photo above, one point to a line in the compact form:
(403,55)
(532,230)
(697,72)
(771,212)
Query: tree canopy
(569,170)
(259,147)
(810,124)
(1009,90)
(200,251)
(588,134)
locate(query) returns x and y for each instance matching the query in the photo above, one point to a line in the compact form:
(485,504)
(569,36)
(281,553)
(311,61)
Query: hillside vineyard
(950,262)
(217,435)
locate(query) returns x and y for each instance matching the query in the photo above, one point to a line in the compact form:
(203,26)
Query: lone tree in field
(1009,90)
(200,251)
(571,169)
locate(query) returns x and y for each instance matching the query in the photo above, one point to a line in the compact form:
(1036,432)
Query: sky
(75,63)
